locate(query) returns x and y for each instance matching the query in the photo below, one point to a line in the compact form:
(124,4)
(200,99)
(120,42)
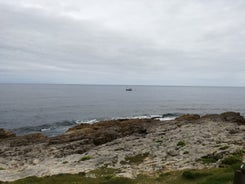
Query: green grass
(84,158)
(210,158)
(181,143)
(104,171)
(136,159)
(193,175)
(233,160)
(107,176)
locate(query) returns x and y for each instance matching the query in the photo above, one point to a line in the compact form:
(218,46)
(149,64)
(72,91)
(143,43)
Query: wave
(51,129)
(58,128)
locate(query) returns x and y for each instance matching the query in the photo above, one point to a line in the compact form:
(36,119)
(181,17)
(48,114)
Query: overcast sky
(151,42)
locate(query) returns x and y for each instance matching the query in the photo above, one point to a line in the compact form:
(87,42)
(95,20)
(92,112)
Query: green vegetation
(107,176)
(137,159)
(192,174)
(224,147)
(65,162)
(87,157)
(186,152)
(234,160)
(104,172)
(230,160)
(1,169)
(210,158)
(159,141)
(181,143)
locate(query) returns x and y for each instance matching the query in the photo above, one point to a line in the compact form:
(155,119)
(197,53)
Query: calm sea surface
(54,108)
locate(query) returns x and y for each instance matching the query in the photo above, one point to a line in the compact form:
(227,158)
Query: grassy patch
(210,158)
(1,169)
(136,159)
(231,160)
(234,160)
(104,172)
(107,176)
(84,158)
(192,174)
(181,143)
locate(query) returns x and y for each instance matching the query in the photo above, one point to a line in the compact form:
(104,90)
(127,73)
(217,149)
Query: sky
(144,42)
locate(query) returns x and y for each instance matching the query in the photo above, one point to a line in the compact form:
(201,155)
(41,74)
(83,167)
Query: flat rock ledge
(133,146)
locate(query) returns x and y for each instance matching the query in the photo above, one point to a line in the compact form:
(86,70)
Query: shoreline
(133,146)
(59,128)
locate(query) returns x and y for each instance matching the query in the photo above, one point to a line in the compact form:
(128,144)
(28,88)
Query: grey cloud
(155,43)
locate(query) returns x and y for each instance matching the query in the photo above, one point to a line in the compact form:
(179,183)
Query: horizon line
(153,85)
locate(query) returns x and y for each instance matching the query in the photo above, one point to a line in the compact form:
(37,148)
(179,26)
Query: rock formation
(133,146)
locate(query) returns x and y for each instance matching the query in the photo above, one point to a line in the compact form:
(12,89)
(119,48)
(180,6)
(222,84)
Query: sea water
(52,109)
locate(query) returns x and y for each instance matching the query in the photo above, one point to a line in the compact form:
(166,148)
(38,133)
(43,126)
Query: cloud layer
(176,42)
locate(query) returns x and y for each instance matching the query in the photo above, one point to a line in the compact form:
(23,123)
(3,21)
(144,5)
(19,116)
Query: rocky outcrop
(133,146)
(103,132)
(188,117)
(28,140)
(226,117)
(233,117)
(6,134)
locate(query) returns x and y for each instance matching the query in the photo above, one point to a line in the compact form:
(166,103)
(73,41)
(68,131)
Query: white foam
(87,122)
(167,118)
(45,129)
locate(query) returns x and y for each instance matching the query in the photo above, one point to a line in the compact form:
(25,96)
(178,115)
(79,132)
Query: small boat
(129,89)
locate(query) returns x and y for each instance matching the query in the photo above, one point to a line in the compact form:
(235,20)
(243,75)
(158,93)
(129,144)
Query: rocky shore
(132,146)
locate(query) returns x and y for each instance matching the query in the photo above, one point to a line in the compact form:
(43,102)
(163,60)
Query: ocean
(52,109)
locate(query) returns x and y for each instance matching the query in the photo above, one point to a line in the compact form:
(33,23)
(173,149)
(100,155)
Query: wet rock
(103,132)
(6,134)
(188,117)
(233,117)
(212,117)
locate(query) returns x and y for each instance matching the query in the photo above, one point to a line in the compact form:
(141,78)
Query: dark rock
(233,117)
(6,134)
(103,132)
(226,116)
(212,117)
(234,131)
(188,117)
(28,139)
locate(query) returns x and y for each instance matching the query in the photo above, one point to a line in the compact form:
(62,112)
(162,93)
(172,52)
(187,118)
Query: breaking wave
(57,128)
